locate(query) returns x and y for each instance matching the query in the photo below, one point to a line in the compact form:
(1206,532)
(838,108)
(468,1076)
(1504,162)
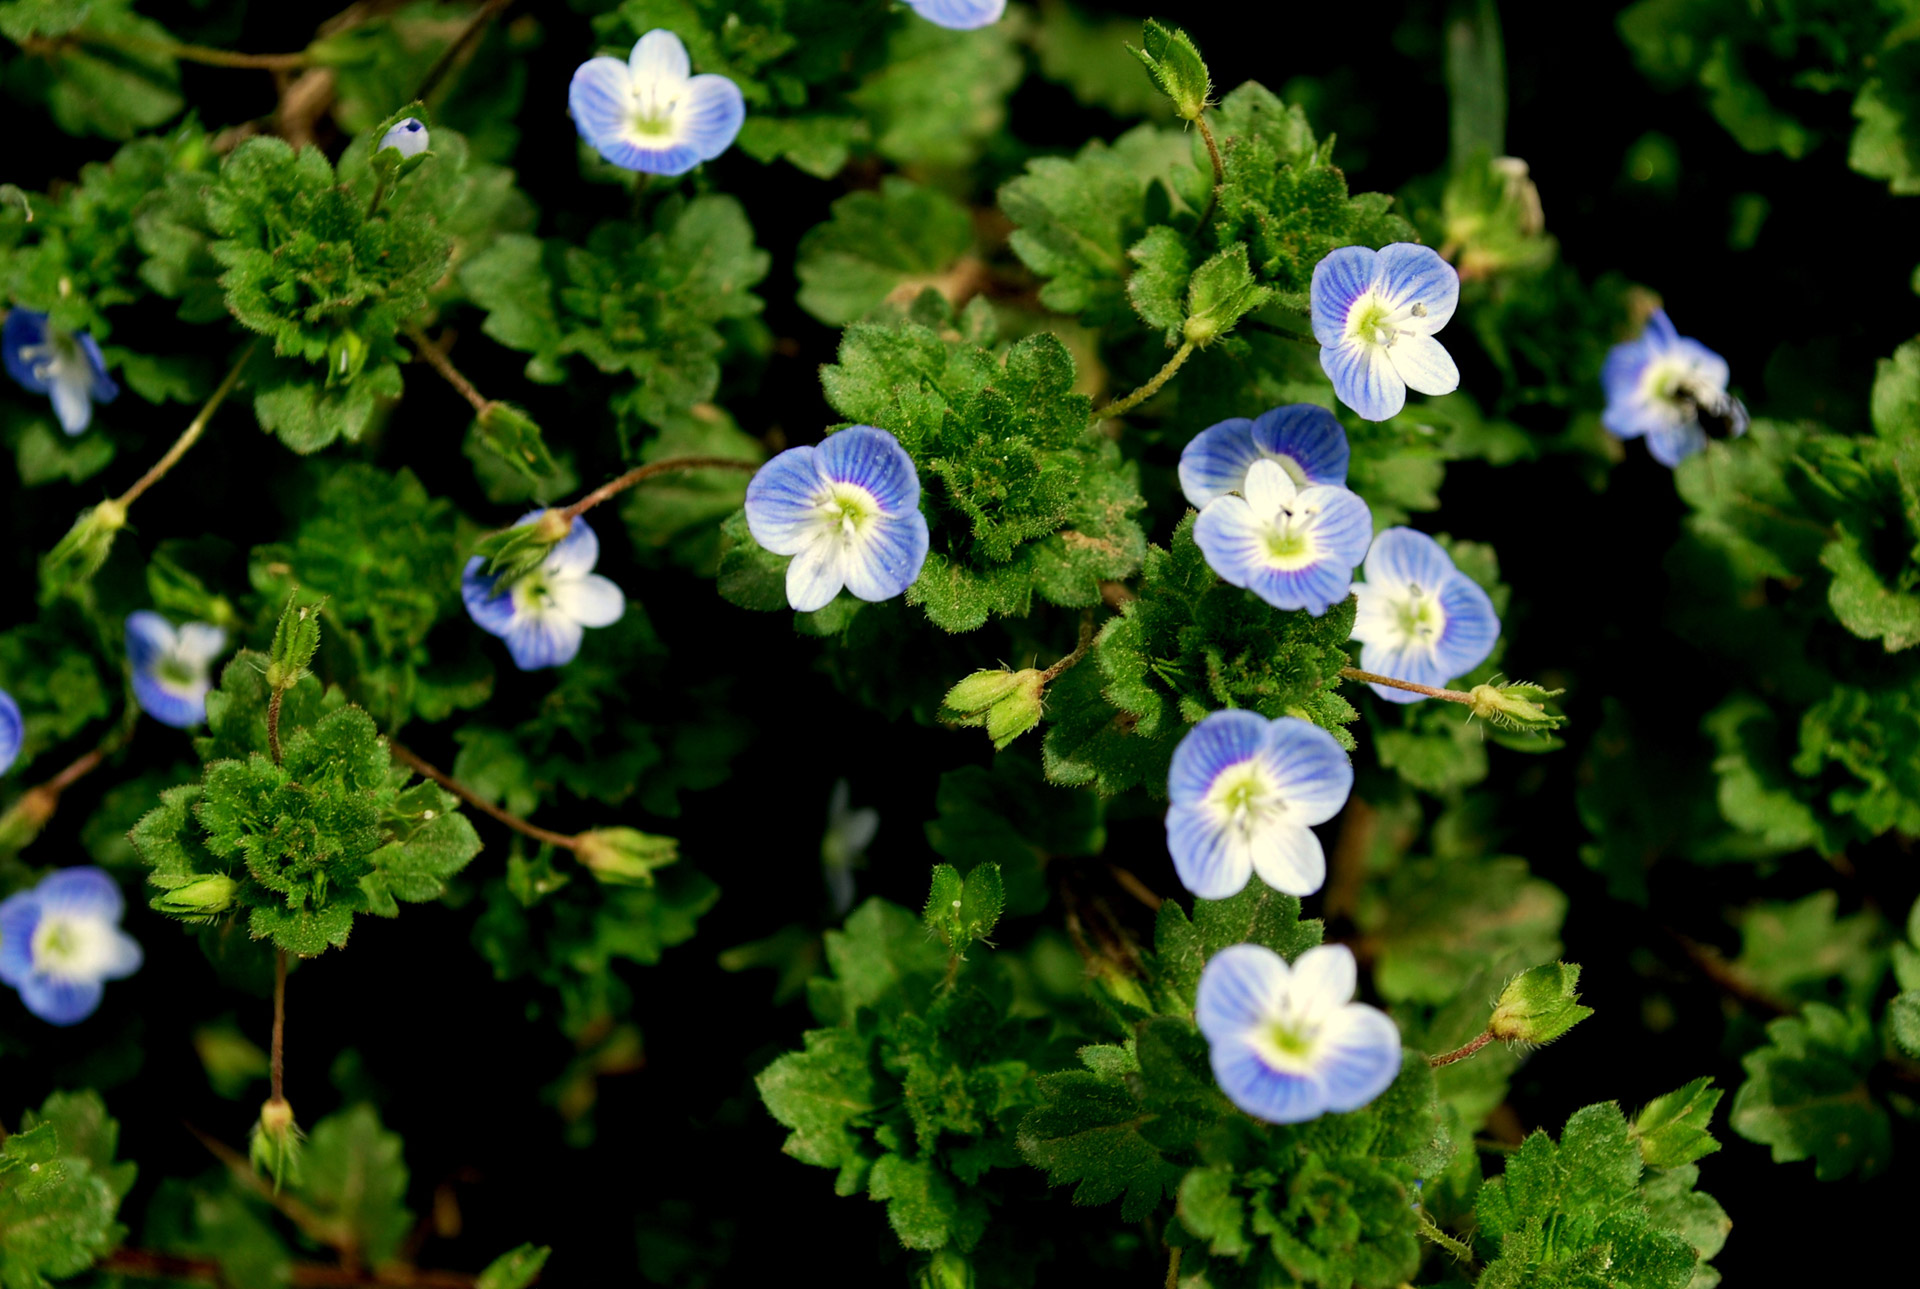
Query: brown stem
(186,53)
(187,438)
(279,1023)
(37,804)
(1727,976)
(1462,1052)
(426,768)
(1173,1267)
(436,357)
(1219,169)
(273,725)
(460,46)
(642,473)
(1052,673)
(315,1227)
(1371,678)
(1133,886)
(1121,406)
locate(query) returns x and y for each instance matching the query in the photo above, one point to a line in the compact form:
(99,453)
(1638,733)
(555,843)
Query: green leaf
(879,246)
(1158,287)
(1221,292)
(126,81)
(1791,951)
(940,94)
(515,1269)
(925,1208)
(59,1192)
(355,1178)
(1439,922)
(1088,1131)
(1806,1093)
(1539,1005)
(1672,1129)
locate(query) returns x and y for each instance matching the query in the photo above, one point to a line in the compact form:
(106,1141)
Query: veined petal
(150,637)
(1471,629)
(1406,274)
(549,640)
(1268,488)
(783,499)
(1223,739)
(490,608)
(19,916)
(647,158)
(181,706)
(59,1000)
(1660,332)
(592,600)
(1706,370)
(24,329)
(1364,378)
(1291,860)
(199,643)
(1210,861)
(1424,364)
(575,554)
(1315,588)
(1241,987)
(1339,279)
(1410,663)
(101,386)
(1231,537)
(659,58)
(1344,527)
(1402,557)
(1670,444)
(887,557)
(600,99)
(11,726)
(71,403)
(710,115)
(1324,978)
(1360,1055)
(81,892)
(1215,460)
(816,574)
(1308,435)
(1310,770)
(959,15)
(872,459)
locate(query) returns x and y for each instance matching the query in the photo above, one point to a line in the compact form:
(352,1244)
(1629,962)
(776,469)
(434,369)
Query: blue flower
(1288,1043)
(1374,314)
(1304,438)
(543,614)
(1661,385)
(10,730)
(1245,791)
(960,15)
(1293,547)
(1419,617)
(65,365)
(172,670)
(649,113)
(848,511)
(61,939)
(409,138)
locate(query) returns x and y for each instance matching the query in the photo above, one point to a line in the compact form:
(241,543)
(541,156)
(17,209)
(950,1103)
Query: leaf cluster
(60,1190)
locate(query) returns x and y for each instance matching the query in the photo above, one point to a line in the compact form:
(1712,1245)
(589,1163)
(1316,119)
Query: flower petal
(600,99)
(1344,528)
(783,500)
(659,58)
(1223,739)
(1401,557)
(1242,987)
(199,644)
(1312,772)
(549,640)
(1215,460)
(1410,663)
(1210,862)
(1307,434)
(181,706)
(1231,538)
(873,459)
(1291,861)
(1424,364)
(1268,487)
(60,1000)
(1324,978)
(1262,1091)
(1471,629)
(888,557)
(150,637)
(11,725)
(1407,273)
(71,403)
(959,15)
(575,554)
(816,574)
(490,608)
(81,892)
(19,915)
(100,385)
(1360,1056)
(592,601)
(710,115)
(1364,379)
(1338,280)
(1670,445)
(652,159)
(1659,332)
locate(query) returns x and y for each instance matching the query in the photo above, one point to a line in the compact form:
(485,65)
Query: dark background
(684,1143)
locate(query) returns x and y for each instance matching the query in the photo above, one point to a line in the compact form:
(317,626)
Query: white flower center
(1245,799)
(1287,539)
(76,948)
(1418,617)
(1373,320)
(59,360)
(654,104)
(1287,1042)
(846,510)
(533,594)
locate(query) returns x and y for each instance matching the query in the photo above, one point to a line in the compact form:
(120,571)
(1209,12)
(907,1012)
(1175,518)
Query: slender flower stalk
(408,757)
(640,474)
(1462,1052)
(189,436)
(1121,406)
(1425,691)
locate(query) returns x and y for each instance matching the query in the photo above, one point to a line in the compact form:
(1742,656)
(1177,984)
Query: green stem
(186,53)
(436,357)
(273,725)
(461,44)
(1219,169)
(1462,1052)
(642,473)
(1121,406)
(278,1066)
(189,436)
(1372,678)
(1173,1267)
(1053,673)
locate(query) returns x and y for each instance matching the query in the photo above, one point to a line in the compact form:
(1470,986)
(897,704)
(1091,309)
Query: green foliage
(102,68)
(1672,1129)
(963,911)
(1539,1005)
(879,246)
(1176,68)
(1441,921)
(1806,1093)
(60,1191)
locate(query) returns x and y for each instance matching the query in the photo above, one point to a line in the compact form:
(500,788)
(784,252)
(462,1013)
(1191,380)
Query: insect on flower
(543,614)
(1374,314)
(1670,389)
(66,366)
(848,511)
(1244,792)
(651,113)
(1304,439)
(1419,618)
(1288,1043)
(172,669)
(1294,547)
(61,940)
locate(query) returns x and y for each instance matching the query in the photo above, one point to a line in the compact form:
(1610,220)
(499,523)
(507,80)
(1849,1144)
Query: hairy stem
(1121,406)
(279,1023)
(462,44)
(427,769)
(1173,1267)
(640,474)
(1371,678)
(190,435)
(1462,1052)
(24,819)
(436,356)
(1053,673)
(273,725)
(1219,169)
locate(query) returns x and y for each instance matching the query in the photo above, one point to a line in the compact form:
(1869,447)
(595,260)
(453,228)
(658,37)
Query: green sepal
(962,912)
(1173,62)
(1672,1129)
(1517,707)
(76,557)
(624,856)
(514,1269)
(1539,1005)
(296,638)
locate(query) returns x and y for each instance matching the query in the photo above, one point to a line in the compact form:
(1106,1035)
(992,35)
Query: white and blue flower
(1288,1042)
(1374,314)
(1304,439)
(61,940)
(1665,386)
(650,113)
(959,15)
(543,614)
(66,366)
(11,730)
(409,138)
(172,669)
(848,511)
(1419,618)
(1245,793)
(1294,547)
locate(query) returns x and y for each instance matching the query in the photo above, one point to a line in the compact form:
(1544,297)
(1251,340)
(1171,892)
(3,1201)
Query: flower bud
(624,856)
(1007,703)
(409,138)
(1175,65)
(1515,707)
(202,897)
(345,357)
(275,1147)
(1540,1005)
(78,556)
(948,1270)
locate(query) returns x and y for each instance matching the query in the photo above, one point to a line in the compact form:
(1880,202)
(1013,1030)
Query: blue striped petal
(490,608)
(1209,863)
(100,385)
(24,329)
(1360,1058)
(179,706)
(1401,557)
(1263,1092)
(573,555)
(11,726)
(1315,588)
(888,557)
(1214,462)
(783,502)
(1407,273)
(19,916)
(1364,379)
(872,459)
(149,638)
(1310,769)
(959,15)
(538,641)
(1472,626)
(1411,664)
(672,159)
(1338,280)
(1308,435)
(1242,986)
(1424,364)
(1670,444)
(710,115)
(59,1000)
(1660,332)
(1223,739)
(600,99)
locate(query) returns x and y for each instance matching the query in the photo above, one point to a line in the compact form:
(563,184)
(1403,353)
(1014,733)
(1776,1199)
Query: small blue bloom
(1419,617)
(543,614)
(1288,1043)
(1661,385)
(848,511)
(172,670)
(1244,792)
(61,939)
(650,113)
(1374,314)
(960,15)
(67,366)
(1294,547)
(409,138)
(1304,438)
(11,728)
